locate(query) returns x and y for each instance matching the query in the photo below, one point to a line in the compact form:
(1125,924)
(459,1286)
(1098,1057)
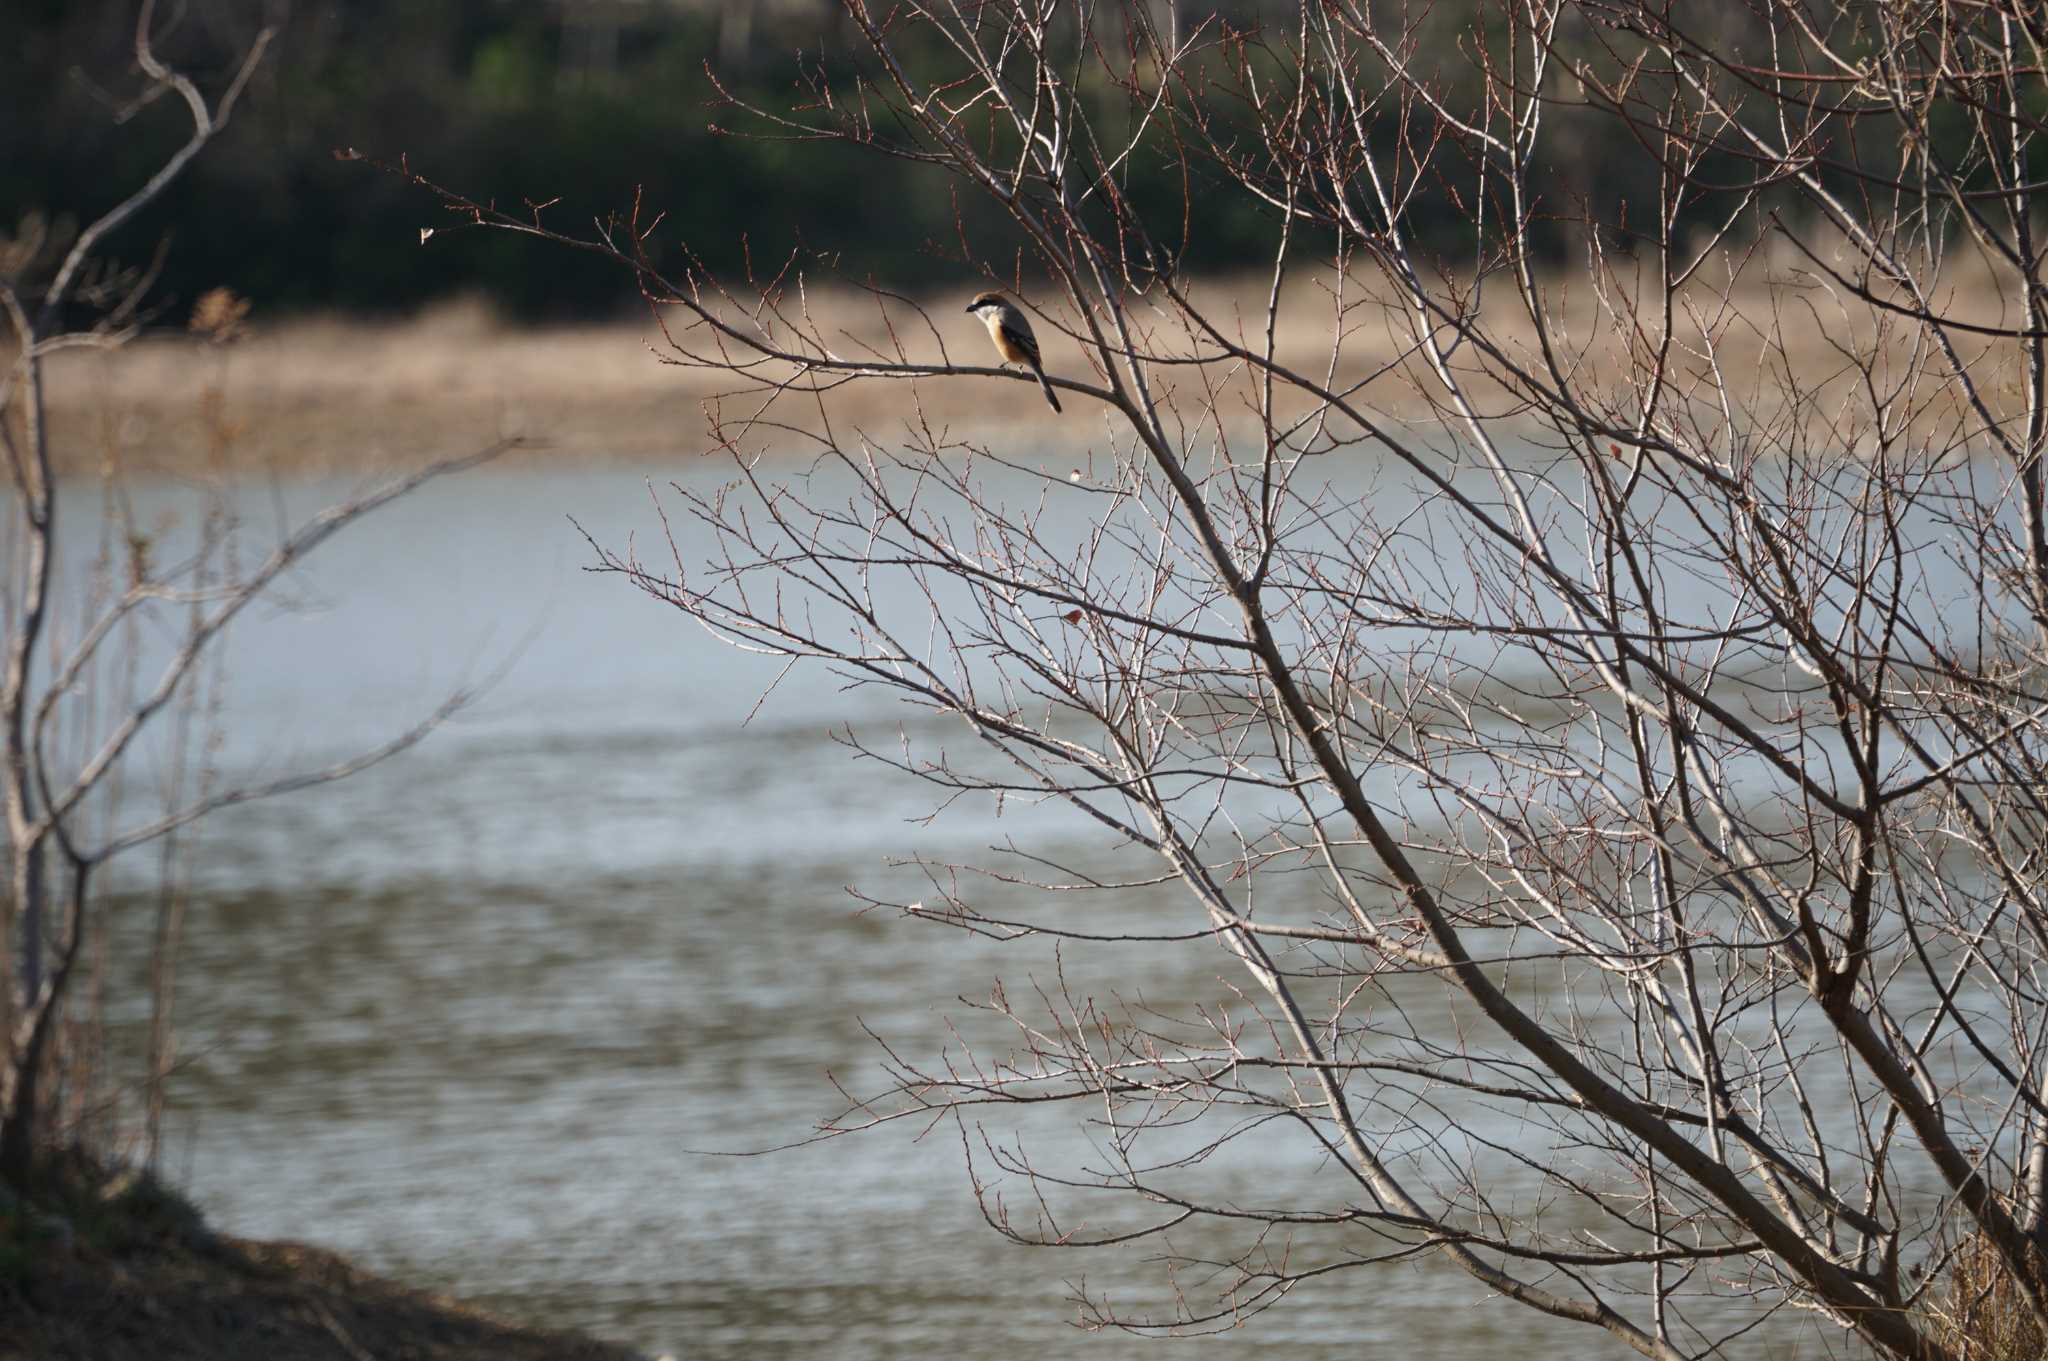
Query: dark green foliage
(499,100)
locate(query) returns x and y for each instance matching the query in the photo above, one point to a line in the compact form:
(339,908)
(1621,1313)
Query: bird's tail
(1050,400)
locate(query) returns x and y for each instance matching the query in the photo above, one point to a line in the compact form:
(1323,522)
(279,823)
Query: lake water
(476,1015)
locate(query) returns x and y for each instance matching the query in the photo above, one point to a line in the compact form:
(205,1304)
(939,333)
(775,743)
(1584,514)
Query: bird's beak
(968,308)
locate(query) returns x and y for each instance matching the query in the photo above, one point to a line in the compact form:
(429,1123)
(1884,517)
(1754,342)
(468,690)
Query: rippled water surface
(475,1015)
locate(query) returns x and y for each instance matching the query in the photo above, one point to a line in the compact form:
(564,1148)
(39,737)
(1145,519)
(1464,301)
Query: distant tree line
(576,103)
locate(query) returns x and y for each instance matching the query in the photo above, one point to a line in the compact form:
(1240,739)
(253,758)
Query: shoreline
(127,1270)
(314,396)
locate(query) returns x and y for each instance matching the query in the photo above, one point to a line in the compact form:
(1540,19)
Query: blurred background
(579,101)
(473,1016)
(575,101)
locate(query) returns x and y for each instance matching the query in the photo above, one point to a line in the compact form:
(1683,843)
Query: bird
(1011,330)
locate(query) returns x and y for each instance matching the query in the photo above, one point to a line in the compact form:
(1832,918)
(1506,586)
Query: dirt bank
(127,1272)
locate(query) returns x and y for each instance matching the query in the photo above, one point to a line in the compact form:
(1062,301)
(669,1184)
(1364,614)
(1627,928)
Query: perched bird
(1011,330)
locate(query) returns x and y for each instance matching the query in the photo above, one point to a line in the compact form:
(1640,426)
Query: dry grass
(1982,1315)
(326,395)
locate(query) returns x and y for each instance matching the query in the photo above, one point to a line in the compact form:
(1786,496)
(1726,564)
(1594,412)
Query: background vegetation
(574,102)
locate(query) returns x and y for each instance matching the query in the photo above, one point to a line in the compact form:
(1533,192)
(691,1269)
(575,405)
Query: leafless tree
(74,705)
(1673,705)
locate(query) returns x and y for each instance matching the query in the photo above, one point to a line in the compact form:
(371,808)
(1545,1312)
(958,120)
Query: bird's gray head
(987,300)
